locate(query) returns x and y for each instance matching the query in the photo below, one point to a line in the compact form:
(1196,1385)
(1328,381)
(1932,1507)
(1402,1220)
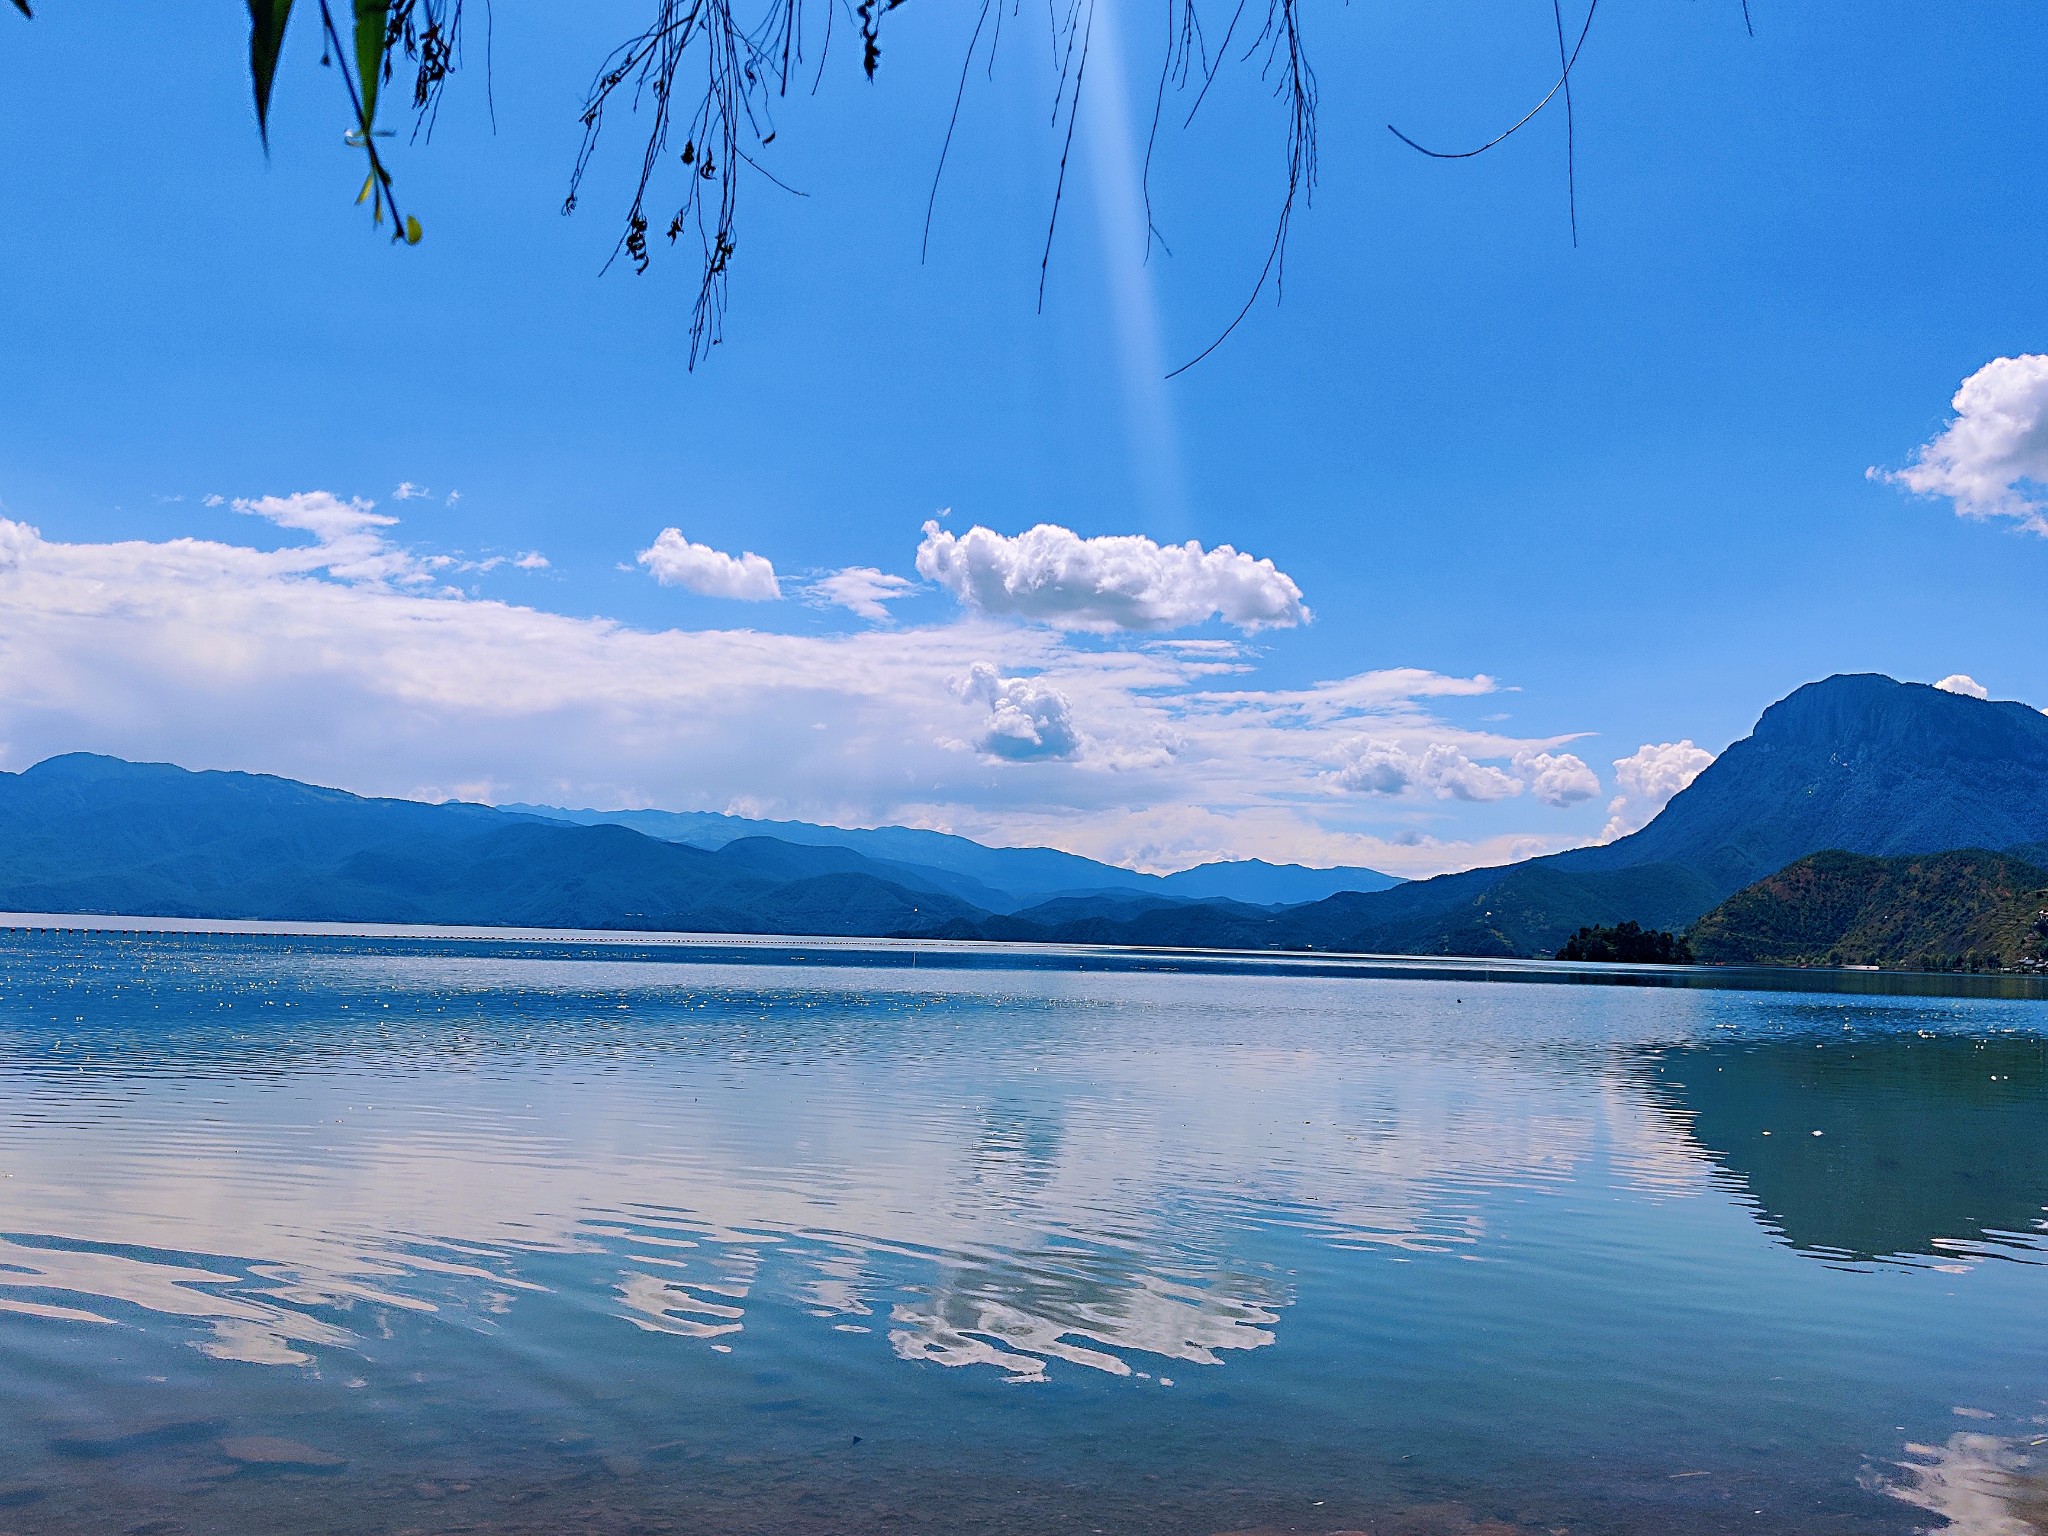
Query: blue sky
(1539,500)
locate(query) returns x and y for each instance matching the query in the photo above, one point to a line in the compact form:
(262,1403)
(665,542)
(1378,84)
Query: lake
(318,1234)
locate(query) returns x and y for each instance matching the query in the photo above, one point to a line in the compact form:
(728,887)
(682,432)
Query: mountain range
(86,833)
(1860,764)
(995,879)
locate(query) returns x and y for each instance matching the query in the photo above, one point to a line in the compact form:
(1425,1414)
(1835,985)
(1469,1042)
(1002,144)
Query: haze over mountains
(997,879)
(84,833)
(1862,764)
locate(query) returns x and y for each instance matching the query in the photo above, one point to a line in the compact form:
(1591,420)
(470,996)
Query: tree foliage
(1627,943)
(1965,910)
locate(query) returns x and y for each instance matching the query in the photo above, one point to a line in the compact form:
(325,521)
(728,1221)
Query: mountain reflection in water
(337,1238)
(1079,1203)
(1869,1146)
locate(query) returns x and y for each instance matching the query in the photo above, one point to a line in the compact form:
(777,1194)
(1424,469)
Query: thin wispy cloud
(861,590)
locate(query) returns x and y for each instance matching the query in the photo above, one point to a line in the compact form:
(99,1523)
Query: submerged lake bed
(362,1234)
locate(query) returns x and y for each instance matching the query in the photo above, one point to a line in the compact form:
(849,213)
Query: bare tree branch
(1563,84)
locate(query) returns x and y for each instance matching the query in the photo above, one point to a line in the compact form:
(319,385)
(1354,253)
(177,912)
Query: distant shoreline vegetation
(1969,910)
(1627,943)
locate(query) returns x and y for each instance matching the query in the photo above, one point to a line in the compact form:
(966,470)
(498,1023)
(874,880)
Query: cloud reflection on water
(1018,1175)
(1980,1485)
(1046,1199)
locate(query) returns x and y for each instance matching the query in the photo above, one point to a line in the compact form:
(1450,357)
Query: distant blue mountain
(996,879)
(83,833)
(1262,884)
(96,834)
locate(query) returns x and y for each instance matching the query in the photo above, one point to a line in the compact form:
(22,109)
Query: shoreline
(770,948)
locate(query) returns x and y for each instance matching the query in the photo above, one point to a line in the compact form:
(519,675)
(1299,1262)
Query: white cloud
(1966,685)
(862,589)
(1028,720)
(407,491)
(531,560)
(1557,778)
(340,659)
(1377,765)
(1454,776)
(349,539)
(1372,765)
(1122,582)
(1980,1485)
(1649,777)
(675,562)
(326,516)
(1991,460)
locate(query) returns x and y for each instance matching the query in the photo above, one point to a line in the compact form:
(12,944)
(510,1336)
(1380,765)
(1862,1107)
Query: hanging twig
(1066,151)
(1563,81)
(1571,148)
(1283,41)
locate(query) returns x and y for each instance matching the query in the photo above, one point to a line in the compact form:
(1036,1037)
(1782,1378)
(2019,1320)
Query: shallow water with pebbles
(381,1234)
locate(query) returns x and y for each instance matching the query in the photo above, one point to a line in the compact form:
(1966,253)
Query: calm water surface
(315,1235)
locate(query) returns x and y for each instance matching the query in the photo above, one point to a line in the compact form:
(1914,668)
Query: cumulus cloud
(1372,765)
(1124,582)
(676,562)
(329,659)
(1378,765)
(1556,778)
(862,589)
(1966,685)
(532,560)
(1454,776)
(407,491)
(1991,460)
(1028,720)
(1648,778)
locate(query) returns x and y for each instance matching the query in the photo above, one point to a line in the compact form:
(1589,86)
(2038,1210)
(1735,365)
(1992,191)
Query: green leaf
(371,16)
(412,230)
(266,40)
